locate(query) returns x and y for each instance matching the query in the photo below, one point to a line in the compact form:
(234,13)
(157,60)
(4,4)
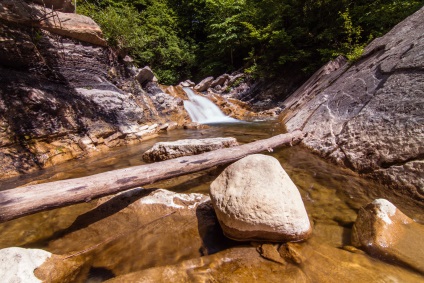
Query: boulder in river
(385,232)
(255,199)
(168,150)
(368,115)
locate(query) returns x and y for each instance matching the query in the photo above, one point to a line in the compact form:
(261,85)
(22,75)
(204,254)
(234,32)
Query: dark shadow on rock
(213,239)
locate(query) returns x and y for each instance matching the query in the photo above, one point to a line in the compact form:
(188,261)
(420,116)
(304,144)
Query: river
(332,195)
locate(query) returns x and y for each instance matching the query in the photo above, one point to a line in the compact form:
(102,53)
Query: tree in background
(271,39)
(146,30)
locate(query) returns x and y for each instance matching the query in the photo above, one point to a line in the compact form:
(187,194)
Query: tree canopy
(183,39)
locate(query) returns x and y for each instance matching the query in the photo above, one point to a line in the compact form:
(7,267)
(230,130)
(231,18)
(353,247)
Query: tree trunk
(26,200)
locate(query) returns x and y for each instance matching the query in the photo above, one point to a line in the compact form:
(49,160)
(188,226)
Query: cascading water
(204,111)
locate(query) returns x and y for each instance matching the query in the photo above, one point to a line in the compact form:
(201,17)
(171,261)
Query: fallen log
(21,201)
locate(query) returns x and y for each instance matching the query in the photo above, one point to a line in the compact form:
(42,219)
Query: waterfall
(204,111)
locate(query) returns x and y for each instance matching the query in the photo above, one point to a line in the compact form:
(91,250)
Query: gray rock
(204,84)
(369,116)
(145,75)
(220,81)
(255,199)
(168,150)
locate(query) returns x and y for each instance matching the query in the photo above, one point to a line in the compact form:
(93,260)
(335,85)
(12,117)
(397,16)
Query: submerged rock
(141,228)
(168,150)
(255,199)
(306,262)
(368,115)
(385,232)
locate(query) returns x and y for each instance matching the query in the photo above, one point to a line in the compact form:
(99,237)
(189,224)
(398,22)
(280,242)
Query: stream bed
(332,197)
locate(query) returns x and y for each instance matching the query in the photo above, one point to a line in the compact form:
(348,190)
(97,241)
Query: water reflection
(332,195)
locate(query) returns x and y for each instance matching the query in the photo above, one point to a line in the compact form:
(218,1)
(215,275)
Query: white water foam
(204,111)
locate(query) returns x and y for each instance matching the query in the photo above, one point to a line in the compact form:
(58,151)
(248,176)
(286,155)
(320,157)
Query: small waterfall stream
(204,111)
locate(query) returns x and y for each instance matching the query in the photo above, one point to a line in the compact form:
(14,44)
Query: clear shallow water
(332,195)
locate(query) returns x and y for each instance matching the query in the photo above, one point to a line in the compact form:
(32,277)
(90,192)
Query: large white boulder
(255,199)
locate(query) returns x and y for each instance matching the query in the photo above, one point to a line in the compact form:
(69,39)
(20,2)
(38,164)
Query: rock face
(168,150)
(70,25)
(385,232)
(255,199)
(368,116)
(63,98)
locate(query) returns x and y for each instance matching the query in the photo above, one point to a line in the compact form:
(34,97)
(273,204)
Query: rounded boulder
(255,199)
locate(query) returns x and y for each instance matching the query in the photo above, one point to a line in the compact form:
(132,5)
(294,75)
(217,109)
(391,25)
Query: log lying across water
(26,200)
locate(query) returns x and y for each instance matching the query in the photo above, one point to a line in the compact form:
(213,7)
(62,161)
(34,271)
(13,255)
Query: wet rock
(145,228)
(255,199)
(168,150)
(86,144)
(204,84)
(385,232)
(367,116)
(195,126)
(319,263)
(177,92)
(270,251)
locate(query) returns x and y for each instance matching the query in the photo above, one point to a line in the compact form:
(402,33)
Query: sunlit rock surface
(168,150)
(62,98)
(255,199)
(385,232)
(368,116)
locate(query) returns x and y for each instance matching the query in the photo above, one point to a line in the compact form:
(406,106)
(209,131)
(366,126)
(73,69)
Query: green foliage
(149,36)
(182,39)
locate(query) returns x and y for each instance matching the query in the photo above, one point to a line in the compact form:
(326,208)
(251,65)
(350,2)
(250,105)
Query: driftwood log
(21,201)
